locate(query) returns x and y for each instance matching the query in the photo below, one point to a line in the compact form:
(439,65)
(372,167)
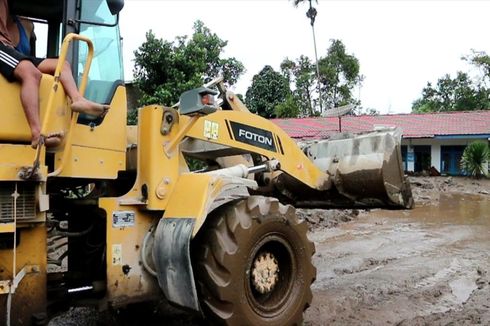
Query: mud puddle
(426,265)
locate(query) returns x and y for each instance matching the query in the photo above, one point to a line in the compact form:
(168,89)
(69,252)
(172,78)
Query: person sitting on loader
(28,70)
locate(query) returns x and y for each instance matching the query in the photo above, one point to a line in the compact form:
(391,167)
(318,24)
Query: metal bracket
(170,117)
(9,286)
(172,145)
(32,172)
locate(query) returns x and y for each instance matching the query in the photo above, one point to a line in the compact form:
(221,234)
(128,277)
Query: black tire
(236,259)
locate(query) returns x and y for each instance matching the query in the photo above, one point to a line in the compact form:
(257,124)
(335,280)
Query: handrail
(61,61)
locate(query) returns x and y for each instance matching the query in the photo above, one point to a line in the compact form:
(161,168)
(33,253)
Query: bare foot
(52,140)
(88,107)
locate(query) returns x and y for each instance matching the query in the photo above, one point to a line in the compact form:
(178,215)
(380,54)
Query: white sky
(401,45)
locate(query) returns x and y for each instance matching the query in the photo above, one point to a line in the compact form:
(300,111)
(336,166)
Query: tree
(269,88)
(164,70)
(461,93)
(311,14)
(287,109)
(458,94)
(339,75)
(481,60)
(302,75)
(475,159)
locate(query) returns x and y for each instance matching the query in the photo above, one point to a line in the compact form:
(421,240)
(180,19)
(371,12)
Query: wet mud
(426,266)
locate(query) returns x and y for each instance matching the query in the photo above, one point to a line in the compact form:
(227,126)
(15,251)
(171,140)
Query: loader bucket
(366,170)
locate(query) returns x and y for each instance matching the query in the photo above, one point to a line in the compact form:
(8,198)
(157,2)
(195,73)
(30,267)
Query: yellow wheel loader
(114,216)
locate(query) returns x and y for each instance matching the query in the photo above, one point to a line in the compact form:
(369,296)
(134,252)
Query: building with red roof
(429,140)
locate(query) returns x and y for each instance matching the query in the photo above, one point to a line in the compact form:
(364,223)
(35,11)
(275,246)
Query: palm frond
(475,159)
(297,2)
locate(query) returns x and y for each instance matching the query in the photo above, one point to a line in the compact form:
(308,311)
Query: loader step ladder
(9,286)
(51,108)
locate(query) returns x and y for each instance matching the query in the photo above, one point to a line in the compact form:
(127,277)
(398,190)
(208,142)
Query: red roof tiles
(413,125)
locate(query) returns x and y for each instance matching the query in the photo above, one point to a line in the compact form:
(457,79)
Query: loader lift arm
(251,133)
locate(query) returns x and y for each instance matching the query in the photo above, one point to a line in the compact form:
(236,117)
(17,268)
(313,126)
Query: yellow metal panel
(132,141)
(124,246)
(13,157)
(98,152)
(111,133)
(157,171)
(13,125)
(30,295)
(132,135)
(85,162)
(194,196)
(191,196)
(7,227)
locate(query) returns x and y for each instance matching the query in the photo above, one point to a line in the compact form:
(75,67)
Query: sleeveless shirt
(24,45)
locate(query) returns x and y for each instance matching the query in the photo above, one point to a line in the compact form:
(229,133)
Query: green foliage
(287,109)
(164,70)
(475,159)
(132,118)
(301,74)
(461,93)
(195,164)
(458,94)
(339,74)
(480,60)
(241,97)
(271,96)
(269,88)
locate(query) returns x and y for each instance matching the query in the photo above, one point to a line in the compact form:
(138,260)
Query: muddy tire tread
(217,248)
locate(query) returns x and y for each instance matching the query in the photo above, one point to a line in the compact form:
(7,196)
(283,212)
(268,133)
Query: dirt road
(427,266)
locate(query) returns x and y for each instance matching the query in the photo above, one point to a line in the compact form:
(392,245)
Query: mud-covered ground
(426,266)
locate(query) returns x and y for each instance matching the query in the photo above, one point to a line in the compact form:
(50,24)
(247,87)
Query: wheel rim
(269,275)
(265,272)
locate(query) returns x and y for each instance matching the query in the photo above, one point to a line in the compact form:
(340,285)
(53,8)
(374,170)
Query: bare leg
(30,77)
(79,103)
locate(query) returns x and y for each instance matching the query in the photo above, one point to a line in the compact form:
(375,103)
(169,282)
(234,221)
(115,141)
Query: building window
(450,158)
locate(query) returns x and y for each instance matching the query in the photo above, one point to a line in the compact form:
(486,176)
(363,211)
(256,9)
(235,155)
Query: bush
(475,159)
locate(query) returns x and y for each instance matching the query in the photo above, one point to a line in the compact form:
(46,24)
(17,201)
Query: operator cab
(95,19)
(102,140)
